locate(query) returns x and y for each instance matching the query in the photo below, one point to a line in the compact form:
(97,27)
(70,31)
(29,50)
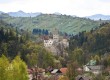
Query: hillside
(13,44)
(64,23)
(95,41)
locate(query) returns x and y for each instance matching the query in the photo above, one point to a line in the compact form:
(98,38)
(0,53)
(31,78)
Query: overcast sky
(70,7)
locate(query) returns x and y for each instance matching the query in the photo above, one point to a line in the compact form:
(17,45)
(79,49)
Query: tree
(45,59)
(3,49)
(72,73)
(32,59)
(4,64)
(19,69)
(97,58)
(78,55)
(108,60)
(15,70)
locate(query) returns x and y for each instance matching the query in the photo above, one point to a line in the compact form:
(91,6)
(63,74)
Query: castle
(55,38)
(56,44)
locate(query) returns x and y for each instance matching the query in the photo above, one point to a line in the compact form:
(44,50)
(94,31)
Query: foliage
(45,59)
(14,70)
(99,77)
(40,31)
(72,73)
(4,64)
(38,56)
(63,78)
(19,69)
(77,55)
(13,43)
(94,45)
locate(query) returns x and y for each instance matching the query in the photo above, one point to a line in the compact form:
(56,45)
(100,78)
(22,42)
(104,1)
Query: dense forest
(95,41)
(13,43)
(83,47)
(93,44)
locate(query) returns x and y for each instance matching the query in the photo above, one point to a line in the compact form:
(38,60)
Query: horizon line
(58,13)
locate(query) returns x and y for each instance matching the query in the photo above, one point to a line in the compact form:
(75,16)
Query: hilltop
(99,16)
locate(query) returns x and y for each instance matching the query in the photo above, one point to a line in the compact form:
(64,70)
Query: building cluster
(85,72)
(56,43)
(46,74)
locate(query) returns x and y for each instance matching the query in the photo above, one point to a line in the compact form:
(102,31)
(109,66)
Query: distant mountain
(23,14)
(57,13)
(1,12)
(99,16)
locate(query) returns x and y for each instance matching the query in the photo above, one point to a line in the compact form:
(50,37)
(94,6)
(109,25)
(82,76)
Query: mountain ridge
(98,17)
(21,13)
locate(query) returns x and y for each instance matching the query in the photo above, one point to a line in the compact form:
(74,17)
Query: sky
(79,8)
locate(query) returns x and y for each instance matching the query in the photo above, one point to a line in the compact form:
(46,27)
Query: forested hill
(95,41)
(64,23)
(10,40)
(12,44)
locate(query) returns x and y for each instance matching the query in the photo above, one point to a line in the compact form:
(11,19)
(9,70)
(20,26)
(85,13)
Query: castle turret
(55,35)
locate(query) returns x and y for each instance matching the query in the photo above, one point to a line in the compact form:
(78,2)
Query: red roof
(63,70)
(79,69)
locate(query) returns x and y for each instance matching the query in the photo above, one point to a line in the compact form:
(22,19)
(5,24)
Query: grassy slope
(49,21)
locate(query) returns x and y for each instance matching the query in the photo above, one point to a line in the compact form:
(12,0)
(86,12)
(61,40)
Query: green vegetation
(13,43)
(13,70)
(95,41)
(91,46)
(83,47)
(68,24)
(40,57)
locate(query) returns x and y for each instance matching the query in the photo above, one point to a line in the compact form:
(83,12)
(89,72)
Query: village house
(82,77)
(92,67)
(95,69)
(63,71)
(56,71)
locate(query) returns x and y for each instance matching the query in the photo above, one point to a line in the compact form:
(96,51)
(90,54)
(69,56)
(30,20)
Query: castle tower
(55,35)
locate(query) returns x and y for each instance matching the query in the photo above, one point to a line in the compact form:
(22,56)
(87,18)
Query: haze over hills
(24,14)
(99,16)
(1,12)
(64,23)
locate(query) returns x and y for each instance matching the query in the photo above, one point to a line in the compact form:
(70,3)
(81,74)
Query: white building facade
(48,43)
